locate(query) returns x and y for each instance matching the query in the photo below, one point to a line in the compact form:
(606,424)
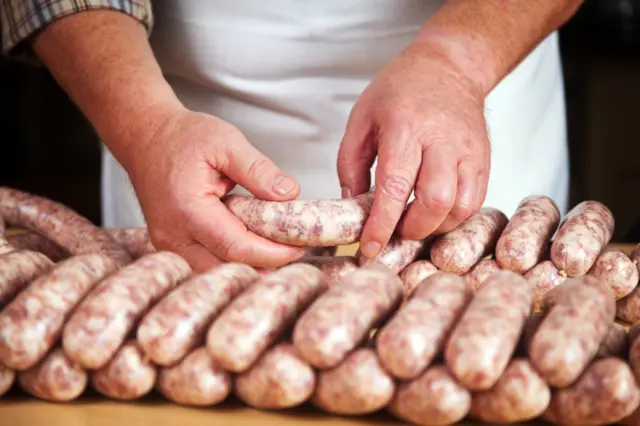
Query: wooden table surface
(16,409)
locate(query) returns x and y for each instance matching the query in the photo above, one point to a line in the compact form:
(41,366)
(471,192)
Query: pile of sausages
(502,320)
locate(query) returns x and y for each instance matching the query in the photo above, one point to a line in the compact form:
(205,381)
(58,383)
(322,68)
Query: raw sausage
(5,246)
(396,255)
(7,377)
(605,393)
(343,316)
(457,251)
(582,235)
(578,317)
(358,385)
(415,273)
(333,268)
(105,317)
(18,269)
(32,323)
(127,376)
(527,236)
(614,344)
(433,399)
(519,395)
(627,308)
(543,277)
(59,223)
(136,241)
(256,318)
(179,321)
(482,270)
(279,379)
(416,334)
(487,334)
(35,242)
(55,378)
(196,380)
(617,270)
(634,349)
(529,330)
(304,223)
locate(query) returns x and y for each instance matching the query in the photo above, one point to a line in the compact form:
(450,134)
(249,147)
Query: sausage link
(136,241)
(127,376)
(519,396)
(102,321)
(628,308)
(256,318)
(343,316)
(482,270)
(18,269)
(33,241)
(433,399)
(614,344)
(605,393)
(279,379)
(7,378)
(410,341)
(32,323)
(582,235)
(527,236)
(457,251)
(195,381)
(543,277)
(333,268)
(634,349)
(528,331)
(415,273)
(396,255)
(55,378)
(5,246)
(304,223)
(578,317)
(617,270)
(358,385)
(487,334)
(179,321)
(59,223)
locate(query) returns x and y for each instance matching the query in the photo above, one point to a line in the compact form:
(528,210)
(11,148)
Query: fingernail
(284,185)
(346,193)
(371,249)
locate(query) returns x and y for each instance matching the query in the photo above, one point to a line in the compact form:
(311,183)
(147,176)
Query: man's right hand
(187,162)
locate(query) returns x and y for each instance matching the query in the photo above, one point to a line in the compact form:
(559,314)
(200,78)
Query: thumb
(254,171)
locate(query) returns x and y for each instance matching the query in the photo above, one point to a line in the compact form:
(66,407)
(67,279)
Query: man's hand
(188,163)
(424,120)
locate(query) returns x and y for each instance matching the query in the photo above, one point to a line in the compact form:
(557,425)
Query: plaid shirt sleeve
(19,19)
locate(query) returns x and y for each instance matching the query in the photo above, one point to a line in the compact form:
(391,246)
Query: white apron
(287,73)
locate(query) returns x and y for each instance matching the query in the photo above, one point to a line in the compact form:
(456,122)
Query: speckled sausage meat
(179,321)
(59,223)
(482,270)
(339,319)
(487,334)
(634,349)
(358,385)
(333,268)
(415,273)
(195,381)
(135,241)
(433,399)
(457,251)
(281,364)
(519,396)
(304,223)
(582,235)
(615,343)
(396,255)
(617,270)
(7,378)
(543,277)
(410,341)
(55,378)
(256,318)
(32,323)
(527,236)
(606,393)
(18,269)
(105,317)
(127,376)
(33,241)
(627,308)
(5,246)
(578,317)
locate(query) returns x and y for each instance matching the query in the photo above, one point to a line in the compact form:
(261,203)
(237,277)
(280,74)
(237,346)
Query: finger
(466,196)
(256,172)
(435,193)
(483,185)
(225,236)
(396,174)
(356,154)
(200,259)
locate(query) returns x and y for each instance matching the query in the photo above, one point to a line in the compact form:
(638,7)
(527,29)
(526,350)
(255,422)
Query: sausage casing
(543,277)
(415,273)
(616,269)
(17,269)
(477,276)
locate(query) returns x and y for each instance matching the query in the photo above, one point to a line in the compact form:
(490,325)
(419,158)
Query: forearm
(103,60)
(487,39)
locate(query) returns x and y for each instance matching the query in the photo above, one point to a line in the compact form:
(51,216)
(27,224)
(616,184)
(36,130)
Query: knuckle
(462,212)
(235,252)
(436,201)
(396,187)
(259,168)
